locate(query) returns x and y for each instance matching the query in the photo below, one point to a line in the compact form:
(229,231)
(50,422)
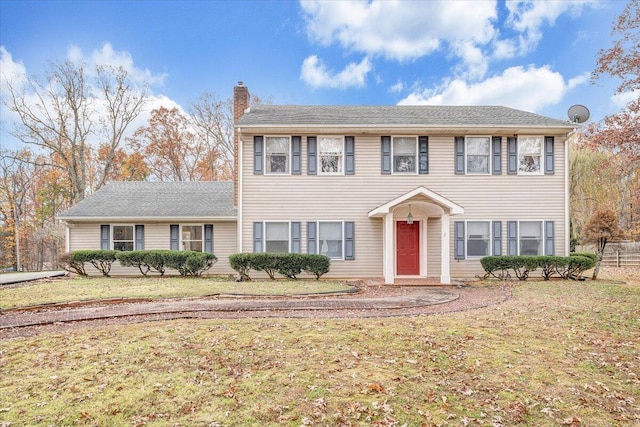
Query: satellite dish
(578,113)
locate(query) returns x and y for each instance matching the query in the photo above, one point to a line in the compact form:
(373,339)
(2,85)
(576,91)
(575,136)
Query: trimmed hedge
(289,265)
(570,267)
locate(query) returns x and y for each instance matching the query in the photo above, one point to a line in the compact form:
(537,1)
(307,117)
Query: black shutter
(350,155)
(423,149)
(512,155)
(497,238)
(549,238)
(459,160)
(174,237)
(105,243)
(512,237)
(496,151)
(208,238)
(311,238)
(385,143)
(549,167)
(349,241)
(257,237)
(258,154)
(296,155)
(295,238)
(458,240)
(312,161)
(139,237)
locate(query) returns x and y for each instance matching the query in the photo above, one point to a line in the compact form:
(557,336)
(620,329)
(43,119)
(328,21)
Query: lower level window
(478,237)
(276,237)
(123,238)
(330,238)
(191,238)
(530,237)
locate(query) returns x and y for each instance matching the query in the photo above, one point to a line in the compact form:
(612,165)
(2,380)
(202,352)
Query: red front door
(408,248)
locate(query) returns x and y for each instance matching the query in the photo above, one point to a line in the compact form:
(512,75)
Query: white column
(387,257)
(445,276)
(67,238)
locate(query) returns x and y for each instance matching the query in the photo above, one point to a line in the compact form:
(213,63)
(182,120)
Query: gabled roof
(398,115)
(157,201)
(452,208)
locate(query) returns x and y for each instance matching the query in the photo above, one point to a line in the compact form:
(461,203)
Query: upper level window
(330,239)
(478,154)
(530,154)
(123,238)
(530,237)
(331,155)
(276,237)
(404,154)
(191,238)
(277,154)
(478,238)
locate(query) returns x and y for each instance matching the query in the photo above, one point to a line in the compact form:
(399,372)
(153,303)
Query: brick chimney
(240,104)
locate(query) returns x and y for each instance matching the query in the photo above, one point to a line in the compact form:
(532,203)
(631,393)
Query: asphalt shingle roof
(398,115)
(157,200)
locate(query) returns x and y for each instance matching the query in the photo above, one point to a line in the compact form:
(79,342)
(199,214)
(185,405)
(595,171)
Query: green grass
(91,288)
(558,353)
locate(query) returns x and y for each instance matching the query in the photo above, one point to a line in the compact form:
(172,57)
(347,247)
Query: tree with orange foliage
(601,228)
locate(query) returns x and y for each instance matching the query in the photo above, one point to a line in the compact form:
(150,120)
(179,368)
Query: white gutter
(146,218)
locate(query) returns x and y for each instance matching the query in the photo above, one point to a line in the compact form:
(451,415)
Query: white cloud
(11,71)
(398,87)
(529,89)
(314,72)
(620,100)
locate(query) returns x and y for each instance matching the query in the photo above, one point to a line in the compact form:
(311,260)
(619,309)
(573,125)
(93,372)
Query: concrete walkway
(9,278)
(418,297)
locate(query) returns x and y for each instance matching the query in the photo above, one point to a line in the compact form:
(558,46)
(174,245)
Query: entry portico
(422,204)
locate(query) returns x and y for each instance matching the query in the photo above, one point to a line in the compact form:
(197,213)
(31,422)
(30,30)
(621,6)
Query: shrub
(242,264)
(74,262)
(316,265)
(551,265)
(290,265)
(134,259)
(578,264)
(155,259)
(265,261)
(496,266)
(102,260)
(189,263)
(590,255)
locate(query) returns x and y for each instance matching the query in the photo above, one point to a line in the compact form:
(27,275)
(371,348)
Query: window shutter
(258,154)
(512,155)
(296,155)
(349,240)
(139,237)
(423,149)
(459,239)
(295,238)
(104,237)
(459,163)
(350,155)
(311,238)
(208,238)
(386,155)
(497,238)
(549,168)
(549,238)
(312,162)
(257,237)
(174,237)
(496,150)
(512,237)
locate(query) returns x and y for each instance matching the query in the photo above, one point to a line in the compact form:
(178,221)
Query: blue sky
(536,56)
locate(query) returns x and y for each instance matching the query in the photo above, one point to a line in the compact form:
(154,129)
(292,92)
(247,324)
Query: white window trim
(319,155)
(542,237)
(318,237)
(180,240)
(111,234)
(290,156)
(417,156)
(466,153)
(264,234)
(542,156)
(466,239)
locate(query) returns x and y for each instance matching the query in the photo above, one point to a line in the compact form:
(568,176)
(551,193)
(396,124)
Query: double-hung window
(330,239)
(478,238)
(277,155)
(530,155)
(191,238)
(330,155)
(404,154)
(123,239)
(531,238)
(478,154)
(276,237)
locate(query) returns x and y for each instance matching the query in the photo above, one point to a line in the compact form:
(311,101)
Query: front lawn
(91,288)
(557,354)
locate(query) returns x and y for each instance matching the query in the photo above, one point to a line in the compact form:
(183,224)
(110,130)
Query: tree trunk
(596,269)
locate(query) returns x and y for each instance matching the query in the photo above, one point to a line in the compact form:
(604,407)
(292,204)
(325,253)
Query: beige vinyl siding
(350,198)
(156,236)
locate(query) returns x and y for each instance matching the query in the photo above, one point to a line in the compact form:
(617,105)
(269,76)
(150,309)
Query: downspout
(239,224)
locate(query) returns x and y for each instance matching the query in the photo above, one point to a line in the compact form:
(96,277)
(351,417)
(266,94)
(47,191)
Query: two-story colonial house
(384,191)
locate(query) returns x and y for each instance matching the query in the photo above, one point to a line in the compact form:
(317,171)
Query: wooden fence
(621,258)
